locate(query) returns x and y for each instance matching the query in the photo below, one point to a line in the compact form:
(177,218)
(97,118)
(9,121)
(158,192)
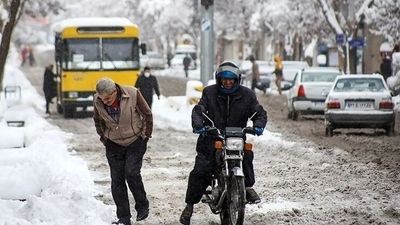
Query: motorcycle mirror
(212,122)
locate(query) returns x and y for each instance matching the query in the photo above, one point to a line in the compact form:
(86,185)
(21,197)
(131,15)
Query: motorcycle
(226,194)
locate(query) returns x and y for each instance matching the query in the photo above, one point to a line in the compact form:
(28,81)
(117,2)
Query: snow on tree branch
(329,14)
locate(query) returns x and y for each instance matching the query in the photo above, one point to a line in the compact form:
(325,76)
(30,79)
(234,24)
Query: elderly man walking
(124,123)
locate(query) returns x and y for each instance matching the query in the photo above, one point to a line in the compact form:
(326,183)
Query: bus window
(120,53)
(82,54)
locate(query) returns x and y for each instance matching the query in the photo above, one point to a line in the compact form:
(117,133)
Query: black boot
(252,196)
(186,215)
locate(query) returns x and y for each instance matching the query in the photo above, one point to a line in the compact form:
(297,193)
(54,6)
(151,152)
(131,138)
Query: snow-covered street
(300,181)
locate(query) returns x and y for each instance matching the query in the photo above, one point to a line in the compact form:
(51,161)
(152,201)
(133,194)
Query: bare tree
(13,8)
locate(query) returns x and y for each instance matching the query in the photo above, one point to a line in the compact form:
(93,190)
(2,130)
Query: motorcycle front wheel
(234,207)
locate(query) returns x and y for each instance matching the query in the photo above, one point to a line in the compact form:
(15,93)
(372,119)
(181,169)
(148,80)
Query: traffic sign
(357,43)
(340,39)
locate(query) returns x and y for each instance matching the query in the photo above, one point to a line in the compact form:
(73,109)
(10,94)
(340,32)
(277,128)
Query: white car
(156,60)
(359,101)
(309,90)
(290,68)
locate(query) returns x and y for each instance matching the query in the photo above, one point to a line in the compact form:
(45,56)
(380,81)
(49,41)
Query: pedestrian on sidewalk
(255,76)
(147,85)
(49,86)
(124,123)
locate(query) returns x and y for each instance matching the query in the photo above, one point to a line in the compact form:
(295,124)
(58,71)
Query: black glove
(201,131)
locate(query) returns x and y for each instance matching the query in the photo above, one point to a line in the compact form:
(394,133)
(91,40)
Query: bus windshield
(101,54)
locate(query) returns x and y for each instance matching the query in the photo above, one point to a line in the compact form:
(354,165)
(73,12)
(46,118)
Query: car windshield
(319,76)
(359,85)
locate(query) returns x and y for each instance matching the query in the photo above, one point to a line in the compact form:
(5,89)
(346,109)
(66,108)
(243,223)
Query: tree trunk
(6,37)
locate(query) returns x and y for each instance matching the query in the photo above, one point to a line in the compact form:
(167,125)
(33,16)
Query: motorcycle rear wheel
(233,212)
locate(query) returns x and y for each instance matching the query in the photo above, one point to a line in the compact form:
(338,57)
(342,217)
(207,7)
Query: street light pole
(347,56)
(207,41)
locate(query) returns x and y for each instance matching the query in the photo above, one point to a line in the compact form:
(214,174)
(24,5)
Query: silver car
(309,90)
(359,101)
(154,60)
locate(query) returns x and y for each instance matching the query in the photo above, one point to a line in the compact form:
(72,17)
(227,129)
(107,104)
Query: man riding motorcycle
(228,104)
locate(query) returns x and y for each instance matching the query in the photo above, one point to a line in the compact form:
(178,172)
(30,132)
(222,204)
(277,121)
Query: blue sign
(357,43)
(340,39)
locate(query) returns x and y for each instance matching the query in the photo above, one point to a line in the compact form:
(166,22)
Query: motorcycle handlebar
(249,130)
(216,131)
(212,130)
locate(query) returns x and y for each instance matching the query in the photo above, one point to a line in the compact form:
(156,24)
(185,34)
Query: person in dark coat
(386,67)
(186,63)
(147,85)
(228,104)
(49,86)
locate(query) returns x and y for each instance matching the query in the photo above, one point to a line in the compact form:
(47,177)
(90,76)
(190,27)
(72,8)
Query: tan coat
(135,120)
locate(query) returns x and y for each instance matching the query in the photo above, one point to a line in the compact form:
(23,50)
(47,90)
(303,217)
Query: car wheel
(295,115)
(290,115)
(328,130)
(390,129)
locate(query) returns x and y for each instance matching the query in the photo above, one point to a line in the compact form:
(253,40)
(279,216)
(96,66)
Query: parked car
(266,69)
(359,101)
(154,60)
(290,68)
(309,90)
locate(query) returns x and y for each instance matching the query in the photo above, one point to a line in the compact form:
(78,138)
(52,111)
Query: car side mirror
(287,86)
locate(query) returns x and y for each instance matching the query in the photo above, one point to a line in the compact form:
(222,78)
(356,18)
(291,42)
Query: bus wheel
(69,112)
(59,109)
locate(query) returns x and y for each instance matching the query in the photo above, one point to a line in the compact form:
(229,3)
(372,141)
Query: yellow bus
(87,49)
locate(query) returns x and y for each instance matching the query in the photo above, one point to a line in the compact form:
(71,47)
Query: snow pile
(54,186)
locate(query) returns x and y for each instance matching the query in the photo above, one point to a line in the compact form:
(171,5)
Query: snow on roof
(91,22)
(385,47)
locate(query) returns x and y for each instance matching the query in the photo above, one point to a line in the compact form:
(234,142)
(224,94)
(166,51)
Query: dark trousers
(48,102)
(200,176)
(125,165)
(186,71)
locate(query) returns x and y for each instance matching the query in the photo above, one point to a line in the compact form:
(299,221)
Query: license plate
(319,104)
(359,105)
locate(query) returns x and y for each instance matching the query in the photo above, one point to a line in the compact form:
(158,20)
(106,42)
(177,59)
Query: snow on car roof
(374,75)
(91,21)
(321,69)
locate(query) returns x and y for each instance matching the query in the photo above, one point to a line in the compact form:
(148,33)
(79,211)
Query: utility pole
(347,54)
(207,41)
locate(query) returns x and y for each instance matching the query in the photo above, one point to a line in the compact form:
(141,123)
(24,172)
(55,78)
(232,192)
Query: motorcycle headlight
(234,143)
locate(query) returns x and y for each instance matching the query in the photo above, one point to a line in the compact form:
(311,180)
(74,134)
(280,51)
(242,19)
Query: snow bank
(56,187)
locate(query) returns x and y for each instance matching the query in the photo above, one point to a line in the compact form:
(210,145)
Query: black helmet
(228,70)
